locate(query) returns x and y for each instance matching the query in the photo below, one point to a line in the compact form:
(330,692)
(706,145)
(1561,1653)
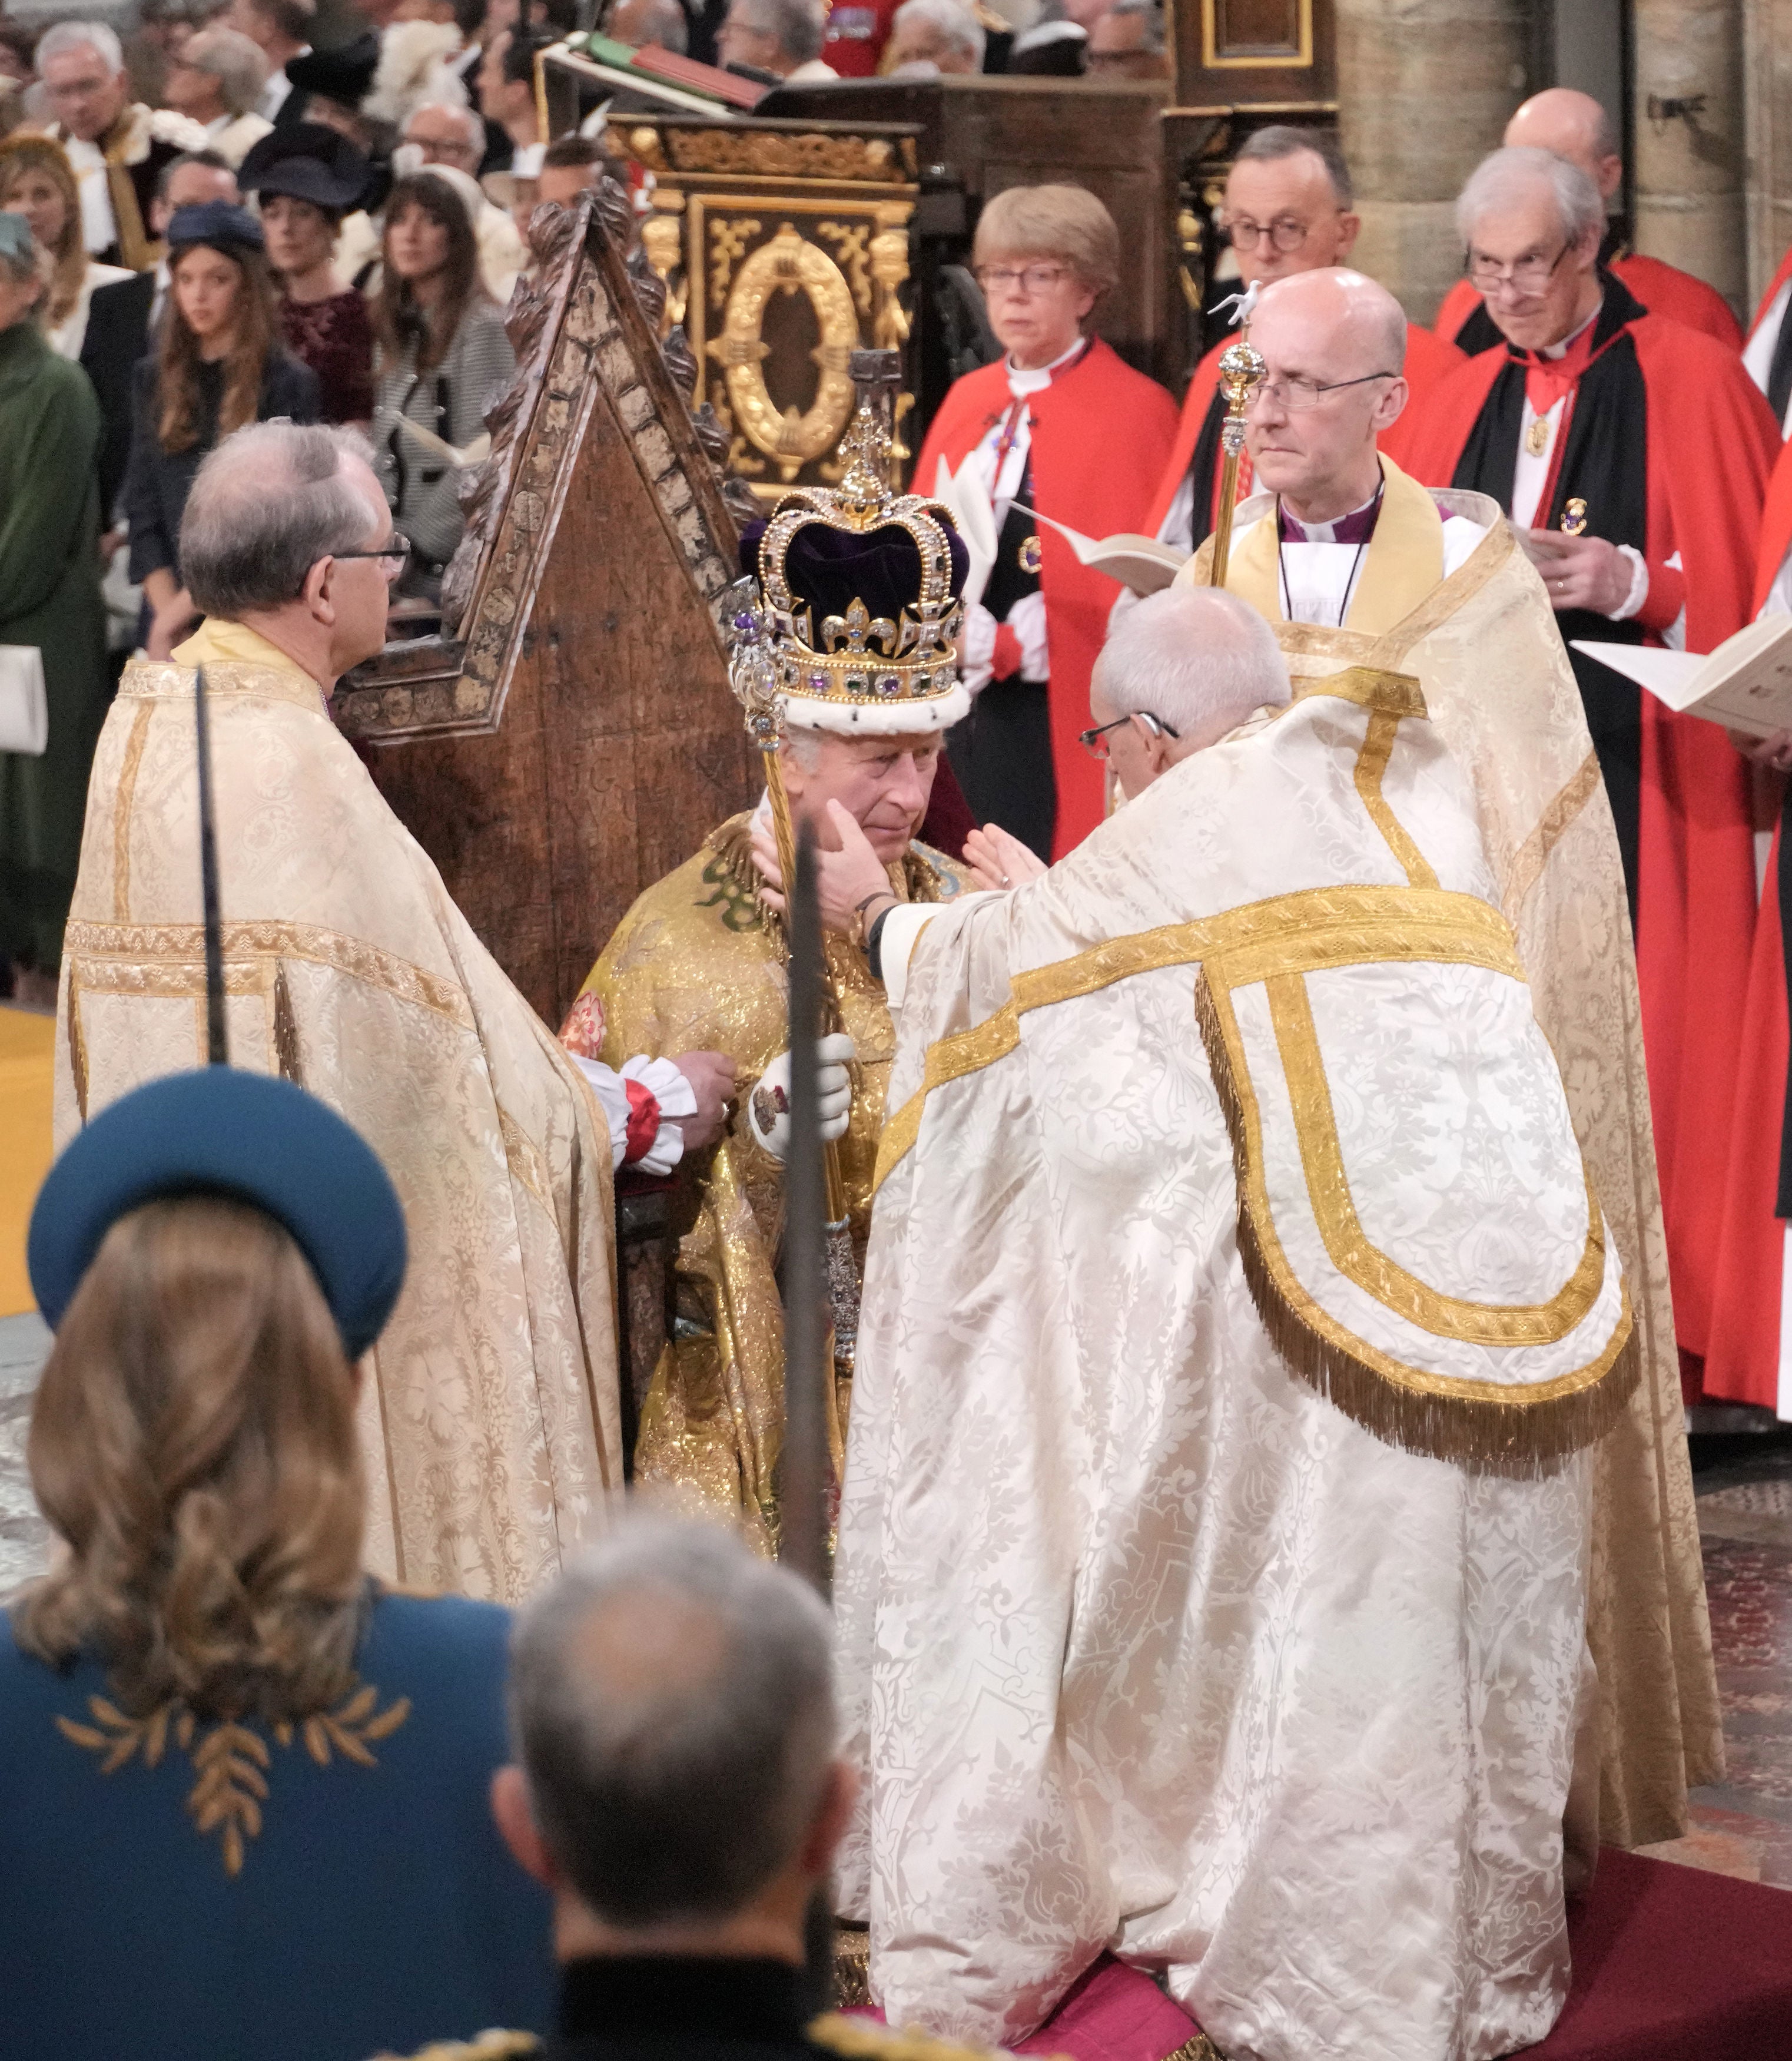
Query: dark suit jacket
(118,336)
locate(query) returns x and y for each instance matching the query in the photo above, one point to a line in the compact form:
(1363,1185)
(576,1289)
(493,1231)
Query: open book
(1746,684)
(1140,563)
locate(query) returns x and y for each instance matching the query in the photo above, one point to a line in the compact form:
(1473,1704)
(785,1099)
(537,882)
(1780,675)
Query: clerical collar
(683,2000)
(1021,383)
(1357,527)
(1568,342)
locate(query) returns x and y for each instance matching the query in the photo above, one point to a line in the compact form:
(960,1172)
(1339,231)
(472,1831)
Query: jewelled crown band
(851,623)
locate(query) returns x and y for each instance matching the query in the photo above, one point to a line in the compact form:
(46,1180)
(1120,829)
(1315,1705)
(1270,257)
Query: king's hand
(848,871)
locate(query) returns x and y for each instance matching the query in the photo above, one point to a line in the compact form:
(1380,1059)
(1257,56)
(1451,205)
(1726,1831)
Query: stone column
(1767,126)
(1688,165)
(1425,88)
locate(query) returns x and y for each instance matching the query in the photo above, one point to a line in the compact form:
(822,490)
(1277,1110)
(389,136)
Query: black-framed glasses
(1027,279)
(1094,742)
(1285,233)
(1295,396)
(394,555)
(1529,275)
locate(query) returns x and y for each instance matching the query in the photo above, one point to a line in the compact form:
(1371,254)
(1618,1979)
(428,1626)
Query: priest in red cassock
(1749,1354)
(1768,352)
(1059,426)
(1632,454)
(1288,209)
(1575,126)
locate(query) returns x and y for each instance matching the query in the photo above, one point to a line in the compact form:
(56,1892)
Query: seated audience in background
(507,97)
(17,43)
(122,319)
(308,177)
(568,167)
(216,81)
(118,147)
(668,1669)
(781,38)
(37,182)
(1056,44)
(643,21)
(1127,42)
(929,36)
(49,602)
(219,363)
(330,86)
(260,1776)
(1059,425)
(443,359)
(164,29)
(448,142)
(281,31)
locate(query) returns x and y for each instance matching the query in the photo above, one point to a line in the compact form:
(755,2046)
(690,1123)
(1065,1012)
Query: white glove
(768,1108)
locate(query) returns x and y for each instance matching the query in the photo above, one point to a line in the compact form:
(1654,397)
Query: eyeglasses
(1295,396)
(1094,742)
(1027,279)
(1529,275)
(394,555)
(1285,233)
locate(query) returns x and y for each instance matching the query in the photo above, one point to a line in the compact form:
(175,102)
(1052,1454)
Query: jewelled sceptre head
(1242,368)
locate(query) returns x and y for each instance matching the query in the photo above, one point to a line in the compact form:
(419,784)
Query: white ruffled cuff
(667,1086)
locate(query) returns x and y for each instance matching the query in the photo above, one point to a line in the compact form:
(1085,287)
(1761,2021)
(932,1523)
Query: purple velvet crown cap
(829,569)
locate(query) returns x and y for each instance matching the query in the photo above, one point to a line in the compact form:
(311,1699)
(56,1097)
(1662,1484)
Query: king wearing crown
(844,658)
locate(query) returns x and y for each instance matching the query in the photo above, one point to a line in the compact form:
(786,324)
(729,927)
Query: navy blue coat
(372,1904)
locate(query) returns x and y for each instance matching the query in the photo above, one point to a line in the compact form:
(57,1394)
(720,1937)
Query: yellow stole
(1401,568)
(137,248)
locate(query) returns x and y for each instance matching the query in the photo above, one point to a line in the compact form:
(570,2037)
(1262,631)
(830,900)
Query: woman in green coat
(49,599)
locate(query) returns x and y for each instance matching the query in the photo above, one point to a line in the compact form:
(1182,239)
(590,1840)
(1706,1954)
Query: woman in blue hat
(219,365)
(243,1808)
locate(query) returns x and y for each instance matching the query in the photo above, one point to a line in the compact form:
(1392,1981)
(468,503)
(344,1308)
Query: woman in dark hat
(250,1779)
(308,176)
(220,364)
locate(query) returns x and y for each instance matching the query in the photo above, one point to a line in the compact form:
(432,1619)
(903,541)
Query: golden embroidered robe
(488,1409)
(1484,646)
(698,965)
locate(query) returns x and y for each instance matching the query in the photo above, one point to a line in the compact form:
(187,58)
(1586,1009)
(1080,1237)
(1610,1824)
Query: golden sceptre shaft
(1240,372)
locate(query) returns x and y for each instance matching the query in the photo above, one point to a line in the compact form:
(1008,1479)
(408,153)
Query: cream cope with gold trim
(1239,1314)
(488,1409)
(1484,646)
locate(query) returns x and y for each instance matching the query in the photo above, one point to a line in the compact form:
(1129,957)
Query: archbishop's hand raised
(848,871)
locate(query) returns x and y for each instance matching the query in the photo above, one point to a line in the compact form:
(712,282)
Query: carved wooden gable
(578,739)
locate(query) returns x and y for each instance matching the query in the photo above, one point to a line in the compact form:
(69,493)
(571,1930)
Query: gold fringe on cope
(1521,1438)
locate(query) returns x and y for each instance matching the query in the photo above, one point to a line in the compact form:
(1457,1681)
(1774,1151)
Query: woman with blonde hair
(220,364)
(1059,426)
(37,182)
(254,1778)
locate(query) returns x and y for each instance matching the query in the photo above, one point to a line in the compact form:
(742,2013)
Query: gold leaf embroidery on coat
(1371,768)
(230,1760)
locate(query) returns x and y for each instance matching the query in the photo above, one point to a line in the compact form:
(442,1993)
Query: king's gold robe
(698,965)
(1484,645)
(489,1413)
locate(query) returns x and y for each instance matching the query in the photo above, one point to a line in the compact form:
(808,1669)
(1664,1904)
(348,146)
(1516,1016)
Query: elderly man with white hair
(1213,1561)
(930,37)
(1631,454)
(781,38)
(216,81)
(119,147)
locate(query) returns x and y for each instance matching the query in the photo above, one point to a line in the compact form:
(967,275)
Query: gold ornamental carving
(788,265)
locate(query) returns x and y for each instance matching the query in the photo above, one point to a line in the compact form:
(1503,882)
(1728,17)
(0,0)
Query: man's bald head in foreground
(1573,125)
(672,1703)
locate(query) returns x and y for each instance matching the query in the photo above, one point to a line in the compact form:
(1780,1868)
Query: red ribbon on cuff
(1666,596)
(1006,659)
(637,1140)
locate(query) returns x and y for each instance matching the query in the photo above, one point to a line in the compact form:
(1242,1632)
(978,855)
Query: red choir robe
(1774,374)
(1100,434)
(1429,362)
(1699,459)
(1741,1364)
(1663,289)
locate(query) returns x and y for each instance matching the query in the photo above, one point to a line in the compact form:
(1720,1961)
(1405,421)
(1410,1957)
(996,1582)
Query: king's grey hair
(673,1789)
(799,25)
(268,503)
(1508,178)
(1198,658)
(67,36)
